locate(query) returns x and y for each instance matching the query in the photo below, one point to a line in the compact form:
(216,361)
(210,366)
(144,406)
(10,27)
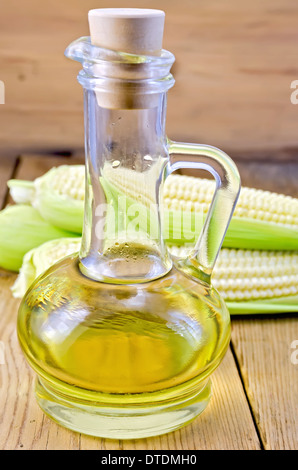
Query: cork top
(130,30)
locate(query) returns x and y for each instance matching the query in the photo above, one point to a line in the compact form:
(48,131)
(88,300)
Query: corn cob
(250,281)
(262,220)
(58,195)
(185,192)
(39,259)
(21,229)
(259,274)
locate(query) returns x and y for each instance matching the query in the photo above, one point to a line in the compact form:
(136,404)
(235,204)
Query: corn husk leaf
(242,232)
(21,229)
(48,196)
(287,304)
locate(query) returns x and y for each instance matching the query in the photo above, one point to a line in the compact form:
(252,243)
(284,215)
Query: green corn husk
(21,229)
(56,195)
(268,306)
(262,220)
(276,293)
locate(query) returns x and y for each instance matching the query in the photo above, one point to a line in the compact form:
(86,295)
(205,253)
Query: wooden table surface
(255,389)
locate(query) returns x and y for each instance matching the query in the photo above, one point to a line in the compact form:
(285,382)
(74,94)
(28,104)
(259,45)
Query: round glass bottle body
(122,361)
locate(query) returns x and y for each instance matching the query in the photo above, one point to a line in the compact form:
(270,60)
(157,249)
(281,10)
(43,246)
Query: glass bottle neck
(126,156)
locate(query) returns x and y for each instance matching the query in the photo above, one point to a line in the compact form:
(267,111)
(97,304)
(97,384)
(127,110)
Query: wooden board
(226,424)
(7,166)
(263,350)
(254,401)
(235,62)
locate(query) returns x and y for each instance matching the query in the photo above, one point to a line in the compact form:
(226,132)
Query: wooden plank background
(226,424)
(255,389)
(235,62)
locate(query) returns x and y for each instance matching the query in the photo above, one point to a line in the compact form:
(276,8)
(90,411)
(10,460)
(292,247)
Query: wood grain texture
(280,177)
(235,62)
(7,165)
(263,349)
(255,388)
(226,424)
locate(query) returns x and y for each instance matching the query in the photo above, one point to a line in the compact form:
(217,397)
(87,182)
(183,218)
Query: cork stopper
(129,30)
(132,30)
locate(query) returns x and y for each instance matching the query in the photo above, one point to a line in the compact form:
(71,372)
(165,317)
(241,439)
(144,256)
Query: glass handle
(203,256)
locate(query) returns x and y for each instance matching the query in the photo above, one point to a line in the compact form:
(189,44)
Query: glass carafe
(123,336)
